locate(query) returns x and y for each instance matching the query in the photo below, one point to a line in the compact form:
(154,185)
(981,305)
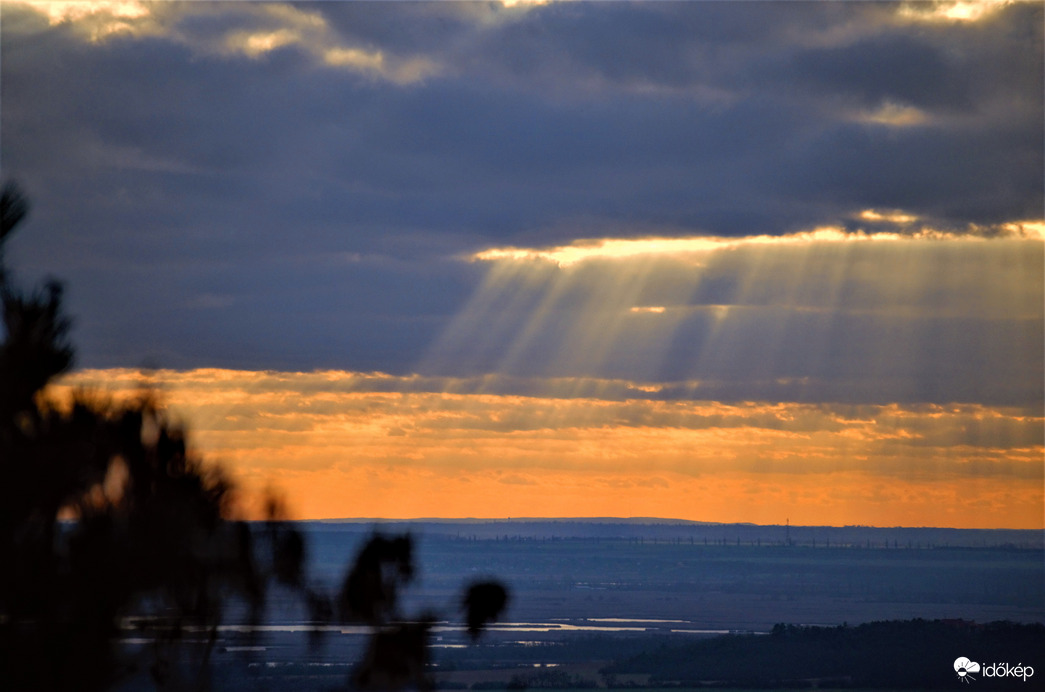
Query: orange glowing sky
(338,448)
(734,262)
(521,441)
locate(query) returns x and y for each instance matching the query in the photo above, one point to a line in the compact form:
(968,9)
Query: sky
(736,262)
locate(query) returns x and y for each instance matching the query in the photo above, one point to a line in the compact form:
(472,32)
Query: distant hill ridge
(698,532)
(520,520)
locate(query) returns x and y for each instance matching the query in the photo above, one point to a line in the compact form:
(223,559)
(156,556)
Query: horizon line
(630,520)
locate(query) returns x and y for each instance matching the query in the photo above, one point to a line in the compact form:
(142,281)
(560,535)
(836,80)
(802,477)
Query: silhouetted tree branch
(149,520)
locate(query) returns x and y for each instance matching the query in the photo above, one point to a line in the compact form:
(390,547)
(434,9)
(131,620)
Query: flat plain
(588,597)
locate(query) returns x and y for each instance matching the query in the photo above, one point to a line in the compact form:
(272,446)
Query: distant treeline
(675,531)
(909,654)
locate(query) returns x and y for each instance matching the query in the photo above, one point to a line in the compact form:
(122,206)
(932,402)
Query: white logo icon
(963,667)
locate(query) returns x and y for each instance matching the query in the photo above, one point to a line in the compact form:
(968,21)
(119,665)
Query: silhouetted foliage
(369,593)
(396,657)
(107,517)
(483,602)
(147,531)
(13,208)
(397,654)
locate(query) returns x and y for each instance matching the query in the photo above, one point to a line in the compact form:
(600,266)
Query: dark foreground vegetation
(109,521)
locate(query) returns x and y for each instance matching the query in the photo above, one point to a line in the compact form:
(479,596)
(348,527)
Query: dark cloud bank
(214,208)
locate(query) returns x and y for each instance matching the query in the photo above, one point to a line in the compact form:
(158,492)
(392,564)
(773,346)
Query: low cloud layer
(387,446)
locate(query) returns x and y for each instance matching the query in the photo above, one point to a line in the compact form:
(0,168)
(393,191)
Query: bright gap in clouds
(679,247)
(951,11)
(825,315)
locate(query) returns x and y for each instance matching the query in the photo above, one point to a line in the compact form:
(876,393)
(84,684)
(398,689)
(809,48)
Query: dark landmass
(715,578)
(668,604)
(882,655)
(653,529)
(911,654)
